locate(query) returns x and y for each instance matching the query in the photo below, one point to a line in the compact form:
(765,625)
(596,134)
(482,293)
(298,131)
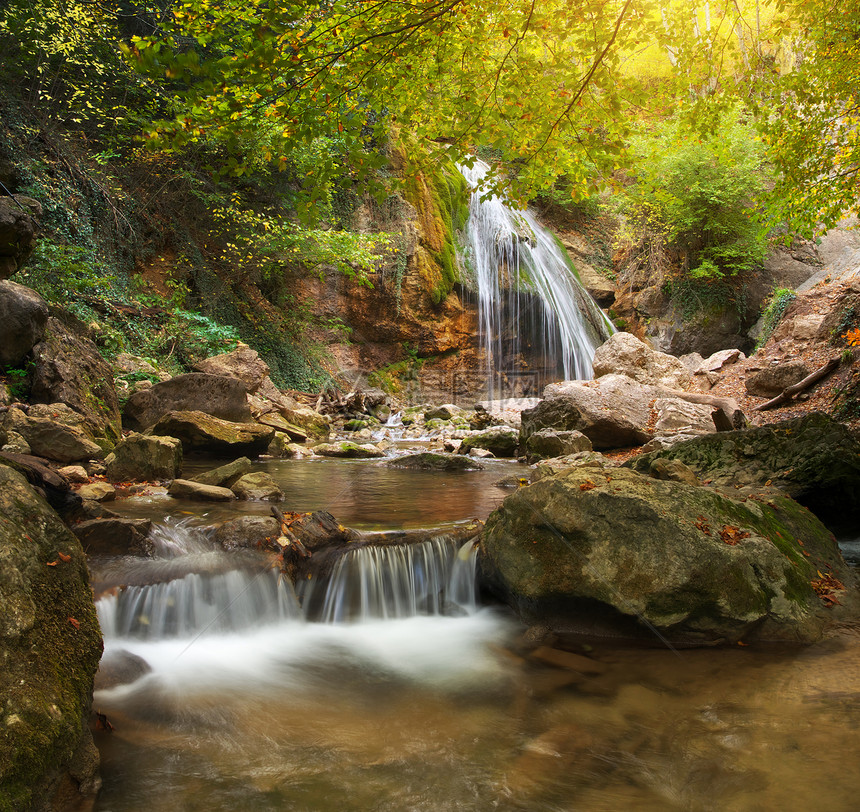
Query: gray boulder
(186,489)
(224,475)
(548,443)
(624,354)
(23,318)
(500,441)
(613,411)
(70,369)
(52,440)
(145,458)
(216,395)
(258,486)
(772,381)
(202,433)
(243,363)
(660,559)
(50,645)
(430,461)
(813,459)
(348,450)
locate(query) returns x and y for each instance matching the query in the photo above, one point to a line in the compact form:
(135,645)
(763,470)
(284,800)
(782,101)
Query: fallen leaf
(701,524)
(64,557)
(732,535)
(587,485)
(52,563)
(75,623)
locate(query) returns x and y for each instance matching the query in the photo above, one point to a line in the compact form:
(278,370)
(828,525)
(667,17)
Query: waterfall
(537,324)
(434,577)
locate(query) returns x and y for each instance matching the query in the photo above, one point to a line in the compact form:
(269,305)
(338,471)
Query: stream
(410,695)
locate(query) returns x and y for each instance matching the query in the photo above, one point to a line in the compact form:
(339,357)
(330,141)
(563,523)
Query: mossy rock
(502,442)
(431,461)
(813,459)
(50,645)
(658,559)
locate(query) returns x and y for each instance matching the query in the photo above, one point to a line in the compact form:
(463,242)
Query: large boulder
(769,382)
(216,395)
(145,458)
(23,318)
(432,461)
(202,433)
(243,363)
(50,644)
(70,369)
(501,441)
(19,220)
(52,440)
(224,475)
(613,411)
(662,559)
(813,458)
(247,532)
(186,489)
(258,487)
(624,354)
(548,443)
(347,450)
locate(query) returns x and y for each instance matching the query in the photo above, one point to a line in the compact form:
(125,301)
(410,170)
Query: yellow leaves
(852,337)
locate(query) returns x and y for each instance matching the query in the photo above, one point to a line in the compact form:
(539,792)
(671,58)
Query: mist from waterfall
(537,323)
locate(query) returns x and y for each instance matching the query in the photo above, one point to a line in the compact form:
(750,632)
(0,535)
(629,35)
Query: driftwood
(288,539)
(787,394)
(727,415)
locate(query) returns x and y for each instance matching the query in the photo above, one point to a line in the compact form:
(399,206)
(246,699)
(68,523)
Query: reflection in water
(360,494)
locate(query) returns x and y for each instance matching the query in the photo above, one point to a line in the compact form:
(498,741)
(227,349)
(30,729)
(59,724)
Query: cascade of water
(535,318)
(398,581)
(225,602)
(433,577)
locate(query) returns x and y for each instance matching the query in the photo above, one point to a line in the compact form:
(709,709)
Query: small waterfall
(434,577)
(398,581)
(198,603)
(537,323)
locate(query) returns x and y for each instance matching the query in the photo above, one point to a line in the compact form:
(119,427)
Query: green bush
(696,194)
(774,309)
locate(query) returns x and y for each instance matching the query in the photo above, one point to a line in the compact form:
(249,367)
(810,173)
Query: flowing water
(537,324)
(387,686)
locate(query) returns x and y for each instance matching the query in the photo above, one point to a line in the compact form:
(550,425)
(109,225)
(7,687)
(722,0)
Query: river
(445,707)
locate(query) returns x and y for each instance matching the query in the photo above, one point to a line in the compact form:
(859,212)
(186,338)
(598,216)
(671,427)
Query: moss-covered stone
(50,644)
(681,559)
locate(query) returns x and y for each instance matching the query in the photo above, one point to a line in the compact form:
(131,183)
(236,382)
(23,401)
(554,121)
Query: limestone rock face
(771,381)
(202,433)
(651,554)
(50,644)
(624,354)
(243,363)
(144,458)
(216,395)
(23,318)
(814,459)
(71,370)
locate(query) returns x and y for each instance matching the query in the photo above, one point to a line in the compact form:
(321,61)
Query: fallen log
(787,394)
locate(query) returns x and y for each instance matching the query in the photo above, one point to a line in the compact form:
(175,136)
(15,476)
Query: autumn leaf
(701,524)
(587,485)
(64,557)
(75,623)
(732,535)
